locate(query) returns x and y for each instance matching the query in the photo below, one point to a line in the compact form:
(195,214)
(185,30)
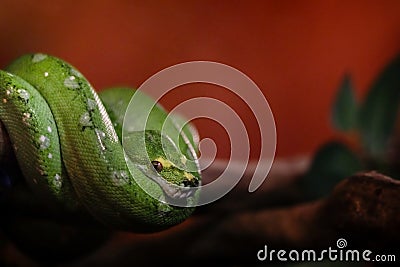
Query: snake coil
(67,140)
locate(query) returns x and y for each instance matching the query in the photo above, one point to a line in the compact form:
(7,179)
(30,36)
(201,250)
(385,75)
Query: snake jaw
(172,191)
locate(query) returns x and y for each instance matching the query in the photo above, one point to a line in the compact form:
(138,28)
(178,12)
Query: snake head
(161,160)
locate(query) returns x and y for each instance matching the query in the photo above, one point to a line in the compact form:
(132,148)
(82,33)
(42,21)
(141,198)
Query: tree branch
(363,209)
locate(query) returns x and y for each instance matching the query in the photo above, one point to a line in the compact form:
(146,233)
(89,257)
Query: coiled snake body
(69,149)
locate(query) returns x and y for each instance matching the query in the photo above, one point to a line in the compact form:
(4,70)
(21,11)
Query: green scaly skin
(69,149)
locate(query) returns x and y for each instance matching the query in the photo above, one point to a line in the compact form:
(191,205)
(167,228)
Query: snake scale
(67,141)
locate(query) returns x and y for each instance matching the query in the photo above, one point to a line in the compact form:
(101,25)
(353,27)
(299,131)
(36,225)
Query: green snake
(67,141)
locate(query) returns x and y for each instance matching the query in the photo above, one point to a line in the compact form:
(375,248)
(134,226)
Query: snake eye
(157,165)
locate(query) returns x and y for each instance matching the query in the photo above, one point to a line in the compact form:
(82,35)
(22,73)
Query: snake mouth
(183,191)
(172,191)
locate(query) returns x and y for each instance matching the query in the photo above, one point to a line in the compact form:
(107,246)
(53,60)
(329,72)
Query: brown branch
(363,209)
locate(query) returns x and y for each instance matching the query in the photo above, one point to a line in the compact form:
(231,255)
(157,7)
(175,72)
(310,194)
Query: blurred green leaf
(379,111)
(344,113)
(332,163)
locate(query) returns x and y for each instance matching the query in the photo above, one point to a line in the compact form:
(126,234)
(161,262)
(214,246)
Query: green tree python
(67,141)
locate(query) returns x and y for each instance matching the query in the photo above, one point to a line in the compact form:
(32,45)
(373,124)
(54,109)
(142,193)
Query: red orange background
(296,51)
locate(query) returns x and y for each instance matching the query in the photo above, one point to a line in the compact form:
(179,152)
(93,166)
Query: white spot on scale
(71,83)
(75,72)
(25,117)
(8,92)
(38,57)
(44,142)
(4,100)
(10,74)
(91,104)
(49,129)
(57,180)
(23,94)
(85,120)
(100,133)
(46,74)
(50,156)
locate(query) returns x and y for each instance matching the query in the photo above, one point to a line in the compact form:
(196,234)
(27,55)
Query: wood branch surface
(363,209)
